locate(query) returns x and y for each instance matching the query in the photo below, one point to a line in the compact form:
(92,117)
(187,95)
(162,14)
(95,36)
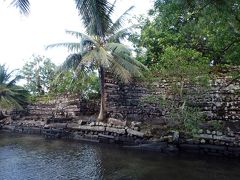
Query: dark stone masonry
(221,101)
(136,123)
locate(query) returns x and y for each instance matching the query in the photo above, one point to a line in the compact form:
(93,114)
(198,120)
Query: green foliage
(180,63)
(180,68)
(189,119)
(185,74)
(87,84)
(96,16)
(11,95)
(36,98)
(100,48)
(217,125)
(155,99)
(93,53)
(210,28)
(180,41)
(184,118)
(38,72)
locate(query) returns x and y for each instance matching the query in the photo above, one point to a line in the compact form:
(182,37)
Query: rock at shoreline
(116,122)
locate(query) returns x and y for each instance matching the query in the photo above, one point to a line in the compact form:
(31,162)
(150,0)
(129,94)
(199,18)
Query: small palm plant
(11,95)
(101,46)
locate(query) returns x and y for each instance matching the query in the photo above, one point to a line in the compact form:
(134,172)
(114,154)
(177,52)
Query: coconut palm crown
(100,46)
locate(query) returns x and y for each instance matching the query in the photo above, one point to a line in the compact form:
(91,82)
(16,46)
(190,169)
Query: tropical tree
(11,95)
(70,78)
(100,47)
(38,72)
(209,27)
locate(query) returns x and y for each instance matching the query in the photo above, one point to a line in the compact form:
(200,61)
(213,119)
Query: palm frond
(2,74)
(119,22)
(95,16)
(112,8)
(84,44)
(124,52)
(130,59)
(88,57)
(20,95)
(139,64)
(118,48)
(91,57)
(98,55)
(71,46)
(121,34)
(122,57)
(120,72)
(10,94)
(13,81)
(14,96)
(71,62)
(7,102)
(104,57)
(79,35)
(22,5)
(134,70)
(5,75)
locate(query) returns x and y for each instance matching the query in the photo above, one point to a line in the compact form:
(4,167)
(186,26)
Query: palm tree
(22,5)
(100,47)
(11,95)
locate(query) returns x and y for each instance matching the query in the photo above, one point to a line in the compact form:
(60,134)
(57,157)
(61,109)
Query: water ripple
(34,158)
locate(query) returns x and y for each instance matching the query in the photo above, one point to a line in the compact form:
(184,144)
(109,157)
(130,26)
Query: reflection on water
(32,157)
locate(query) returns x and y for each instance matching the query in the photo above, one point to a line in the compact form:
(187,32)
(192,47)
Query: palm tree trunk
(102,113)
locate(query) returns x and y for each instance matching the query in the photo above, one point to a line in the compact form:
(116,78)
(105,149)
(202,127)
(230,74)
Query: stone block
(92,128)
(115,130)
(116,122)
(203,136)
(135,133)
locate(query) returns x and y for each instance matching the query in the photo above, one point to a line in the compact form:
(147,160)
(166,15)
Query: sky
(21,36)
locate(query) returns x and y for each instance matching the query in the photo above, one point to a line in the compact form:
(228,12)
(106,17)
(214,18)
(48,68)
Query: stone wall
(62,117)
(125,101)
(70,106)
(89,107)
(219,132)
(221,101)
(61,107)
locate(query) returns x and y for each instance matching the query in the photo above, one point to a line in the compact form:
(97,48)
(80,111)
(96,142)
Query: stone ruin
(75,117)
(125,101)
(220,104)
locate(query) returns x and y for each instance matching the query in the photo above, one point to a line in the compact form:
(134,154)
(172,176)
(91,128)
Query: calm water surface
(25,157)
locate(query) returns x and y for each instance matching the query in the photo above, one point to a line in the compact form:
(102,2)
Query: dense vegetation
(202,29)
(74,79)
(38,72)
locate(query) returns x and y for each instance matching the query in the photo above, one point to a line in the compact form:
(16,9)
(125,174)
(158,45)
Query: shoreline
(95,134)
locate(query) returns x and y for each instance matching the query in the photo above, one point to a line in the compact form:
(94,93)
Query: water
(25,157)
